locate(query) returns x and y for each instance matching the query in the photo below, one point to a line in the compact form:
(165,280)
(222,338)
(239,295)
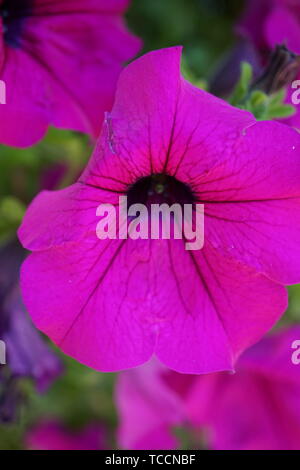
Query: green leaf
(281,111)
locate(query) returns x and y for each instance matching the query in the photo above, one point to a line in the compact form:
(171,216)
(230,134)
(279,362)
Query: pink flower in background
(270,22)
(149,407)
(54,436)
(60,61)
(252,22)
(258,407)
(113,304)
(261,22)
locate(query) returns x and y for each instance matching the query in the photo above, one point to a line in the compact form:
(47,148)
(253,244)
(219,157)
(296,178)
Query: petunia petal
(71,216)
(113,304)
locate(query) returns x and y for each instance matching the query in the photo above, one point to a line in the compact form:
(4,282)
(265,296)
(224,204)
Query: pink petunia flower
(258,407)
(60,61)
(113,304)
(52,435)
(270,22)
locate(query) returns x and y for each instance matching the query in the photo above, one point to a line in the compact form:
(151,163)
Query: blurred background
(60,389)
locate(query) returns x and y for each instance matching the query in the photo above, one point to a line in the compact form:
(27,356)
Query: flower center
(159,189)
(13,13)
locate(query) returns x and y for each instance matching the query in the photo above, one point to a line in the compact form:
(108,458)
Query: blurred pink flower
(258,407)
(268,23)
(54,436)
(60,61)
(113,304)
